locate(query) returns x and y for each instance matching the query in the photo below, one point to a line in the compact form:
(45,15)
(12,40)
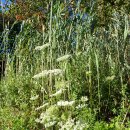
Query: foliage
(68,76)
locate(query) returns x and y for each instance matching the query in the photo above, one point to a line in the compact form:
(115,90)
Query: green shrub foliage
(73,74)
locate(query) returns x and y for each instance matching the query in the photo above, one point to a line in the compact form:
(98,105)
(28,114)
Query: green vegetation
(72,74)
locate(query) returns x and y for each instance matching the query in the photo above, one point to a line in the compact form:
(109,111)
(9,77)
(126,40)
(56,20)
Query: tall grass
(66,77)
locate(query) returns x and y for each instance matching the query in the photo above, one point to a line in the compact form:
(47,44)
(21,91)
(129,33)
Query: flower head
(42,47)
(43,106)
(57,93)
(65,57)
(110,78)
(48,72)
(84,98)
(34,97)
(65,103)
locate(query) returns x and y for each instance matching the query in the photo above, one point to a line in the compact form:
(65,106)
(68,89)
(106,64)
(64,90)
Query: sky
(3,1)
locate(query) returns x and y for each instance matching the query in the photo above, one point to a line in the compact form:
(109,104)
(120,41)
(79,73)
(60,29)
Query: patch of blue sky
(5,2)
(4,5)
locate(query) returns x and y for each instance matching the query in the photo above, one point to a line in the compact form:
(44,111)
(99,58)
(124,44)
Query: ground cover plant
(69,71)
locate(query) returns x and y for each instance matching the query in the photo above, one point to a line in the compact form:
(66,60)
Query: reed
(67,78)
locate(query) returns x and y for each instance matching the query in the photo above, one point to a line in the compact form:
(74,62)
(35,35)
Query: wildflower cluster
(42,47)
(65,103)
(63,58)
(48,72)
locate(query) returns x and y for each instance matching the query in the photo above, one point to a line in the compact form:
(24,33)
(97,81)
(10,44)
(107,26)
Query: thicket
(70,72)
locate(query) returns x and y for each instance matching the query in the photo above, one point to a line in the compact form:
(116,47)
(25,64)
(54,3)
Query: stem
(98,77)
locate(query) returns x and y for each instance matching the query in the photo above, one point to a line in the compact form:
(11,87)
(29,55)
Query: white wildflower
(65,103)
(65,57)
(110,78)
(80,126)
(57,93)
(42,47)
(84,98)
(42,74)
(51,114)
(88,73)
(47,118)
(55,72)
(43,106)
(34,97)
(49,124)
(68,125)
(80,106)
(38,120)
(42,115)
(43,90)
(47,72)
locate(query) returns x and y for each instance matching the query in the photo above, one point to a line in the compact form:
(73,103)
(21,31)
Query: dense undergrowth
(67,78)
